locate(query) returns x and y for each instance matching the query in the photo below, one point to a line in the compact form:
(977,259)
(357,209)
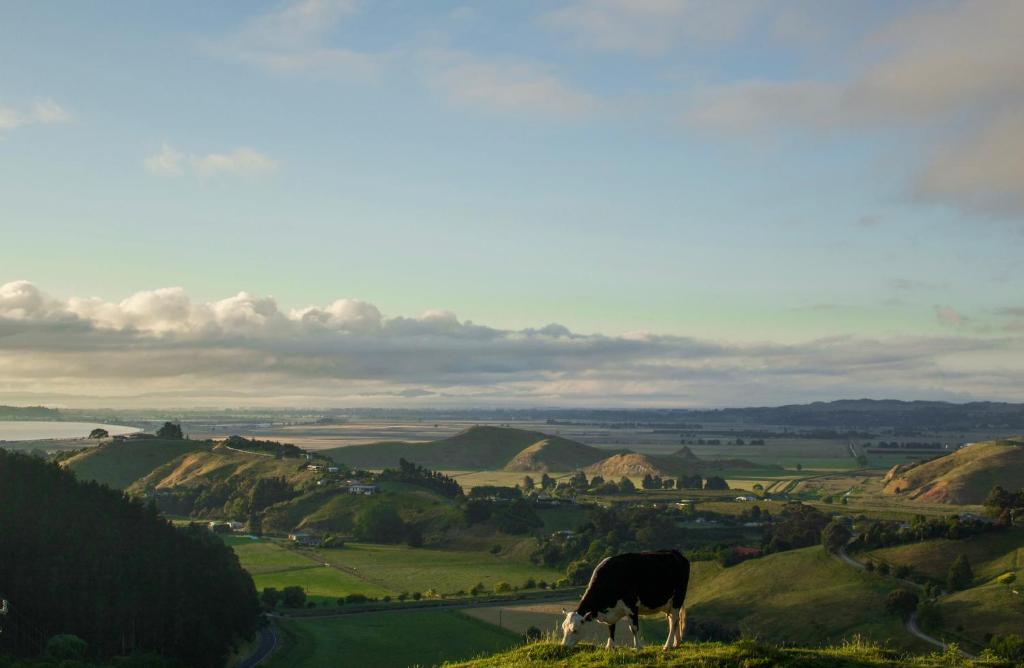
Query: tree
(270,597)
(647,482)
(502,587)
(533,634)
(668,483)
(99,433)
(597,481)
(901,602)
(546,481)
(716,482)
(579,572)
(413,536)
(960,574)
(170,430)
(66,647)
(1009,647)
(835,536)
(799,467)
(528,484)
(294,597)
(626,485)
(379,523)
(578,481)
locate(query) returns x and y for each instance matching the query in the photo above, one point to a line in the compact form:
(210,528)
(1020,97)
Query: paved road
(911,625)
(268,641)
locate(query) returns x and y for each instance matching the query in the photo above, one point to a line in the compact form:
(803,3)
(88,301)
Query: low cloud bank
(160,347)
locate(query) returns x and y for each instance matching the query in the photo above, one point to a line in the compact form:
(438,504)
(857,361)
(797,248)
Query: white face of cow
(571,626)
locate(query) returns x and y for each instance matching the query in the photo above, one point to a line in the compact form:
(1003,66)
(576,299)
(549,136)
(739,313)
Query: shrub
(869,566)
(1009,647)
(1007,578)
(883,568)
(66,647)
(562,583)
(356,598)
(416,596)
(835,536)
(960,574)
(578,572)
(293,597)
(929,616)
(901,602)
(502,587)
(533,634)
(902,571)
(340,602)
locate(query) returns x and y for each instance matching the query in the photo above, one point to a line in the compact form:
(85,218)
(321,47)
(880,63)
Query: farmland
(380,570)
(387,640)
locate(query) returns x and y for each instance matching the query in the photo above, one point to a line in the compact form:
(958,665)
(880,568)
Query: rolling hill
(119,463)
(477,448)
(555,454)
(681,462)
(962,477)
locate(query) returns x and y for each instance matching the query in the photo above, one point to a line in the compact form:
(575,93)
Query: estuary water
(33,431)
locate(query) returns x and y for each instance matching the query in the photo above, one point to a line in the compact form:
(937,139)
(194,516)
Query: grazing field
(802,596)
(120,463)
(379,570)
(990,554)
(387,640)
(990,608)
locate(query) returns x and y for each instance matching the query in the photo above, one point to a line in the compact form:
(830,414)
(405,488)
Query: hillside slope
(712,655)
(962,477)
(680,462)
(120,463)
(477,448)
(220,463)
(555,454)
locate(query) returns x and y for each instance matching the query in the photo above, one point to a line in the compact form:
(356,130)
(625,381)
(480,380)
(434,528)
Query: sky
(584,202)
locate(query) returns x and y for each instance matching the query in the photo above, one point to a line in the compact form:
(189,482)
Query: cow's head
(571,626)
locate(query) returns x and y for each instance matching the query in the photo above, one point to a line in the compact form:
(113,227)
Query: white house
(361,488)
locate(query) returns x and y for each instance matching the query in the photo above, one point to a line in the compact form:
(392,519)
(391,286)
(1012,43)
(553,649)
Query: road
(911,624)
(268,641)
(463,604)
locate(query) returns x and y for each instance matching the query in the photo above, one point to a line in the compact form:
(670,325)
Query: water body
(34,431)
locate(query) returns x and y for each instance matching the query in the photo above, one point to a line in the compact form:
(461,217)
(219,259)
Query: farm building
(362,488)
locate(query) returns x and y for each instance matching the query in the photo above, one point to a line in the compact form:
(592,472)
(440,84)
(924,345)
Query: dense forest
(79,558)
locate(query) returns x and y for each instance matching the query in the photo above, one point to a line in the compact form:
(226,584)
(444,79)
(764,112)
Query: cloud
(40,112)
(649,27)
(947,315)
(505,86)
(949,71)
(169,161)
(295,39)
(246,350)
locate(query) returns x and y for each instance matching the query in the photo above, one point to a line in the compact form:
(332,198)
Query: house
(362,488)
(235,526)
(303,538)
(315,467)
(746,498)
(746,552)
(332,469)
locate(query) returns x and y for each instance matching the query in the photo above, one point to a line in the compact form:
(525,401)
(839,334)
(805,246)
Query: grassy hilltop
(963,477)
(120,463)
(714,655)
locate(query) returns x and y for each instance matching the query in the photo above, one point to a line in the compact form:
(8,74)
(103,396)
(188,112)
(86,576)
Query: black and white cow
(647,583)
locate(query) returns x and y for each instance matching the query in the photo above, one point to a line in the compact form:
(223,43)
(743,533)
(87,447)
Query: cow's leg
(680,626)
(671,630)
(611,637)
(634,626)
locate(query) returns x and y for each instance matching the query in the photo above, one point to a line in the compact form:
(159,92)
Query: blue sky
(745,173)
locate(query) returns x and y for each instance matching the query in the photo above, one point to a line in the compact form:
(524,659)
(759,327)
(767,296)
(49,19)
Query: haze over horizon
(578,203)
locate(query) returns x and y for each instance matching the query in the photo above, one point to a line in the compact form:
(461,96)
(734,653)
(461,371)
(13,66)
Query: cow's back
(648,578)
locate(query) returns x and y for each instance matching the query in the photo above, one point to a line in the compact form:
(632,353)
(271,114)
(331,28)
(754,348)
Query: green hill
(680,462)
(477,448)
(962,477)
(800,596)
(119,463)
(743,654)
(217,462)
(555,454)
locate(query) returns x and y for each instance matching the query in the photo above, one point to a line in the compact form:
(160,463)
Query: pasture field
(387,640)
(380,570)
(990,608)
(990,554)
(802,596)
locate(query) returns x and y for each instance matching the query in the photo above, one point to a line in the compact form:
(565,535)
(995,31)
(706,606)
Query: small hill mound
(477,448)
(962,477)
(119,463)
(555,454)
(220,463)
(634,465)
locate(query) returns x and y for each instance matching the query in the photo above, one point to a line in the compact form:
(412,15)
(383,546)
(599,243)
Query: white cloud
(650,27)
(295,39)
(949,71)
(40,112)
(169,348)
(947,315)
(503,86)
(169,161)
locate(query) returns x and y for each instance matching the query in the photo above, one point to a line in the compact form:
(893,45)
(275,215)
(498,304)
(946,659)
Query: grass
(801,596)
(990,608)
(965,476)
(120,463)
(388,639)
(379,570)
(746,654)
(990,554)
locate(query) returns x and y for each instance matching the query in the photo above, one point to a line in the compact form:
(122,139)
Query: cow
(645,583)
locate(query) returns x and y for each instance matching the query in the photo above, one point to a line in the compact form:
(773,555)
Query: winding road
(268,641)
(911,623)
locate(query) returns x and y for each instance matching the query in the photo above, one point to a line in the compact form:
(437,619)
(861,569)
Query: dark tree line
(414,474)
(79,558)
